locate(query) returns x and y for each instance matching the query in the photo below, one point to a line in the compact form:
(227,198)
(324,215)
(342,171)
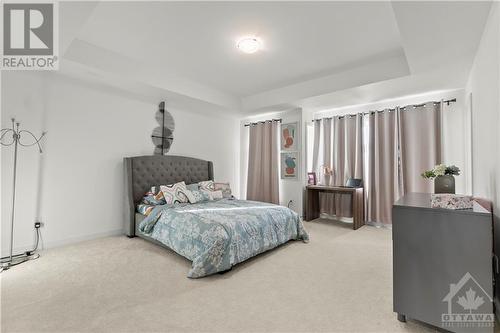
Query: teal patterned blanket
(217,235)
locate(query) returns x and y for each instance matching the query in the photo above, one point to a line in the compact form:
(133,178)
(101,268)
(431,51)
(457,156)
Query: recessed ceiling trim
(380,70)
(116,64)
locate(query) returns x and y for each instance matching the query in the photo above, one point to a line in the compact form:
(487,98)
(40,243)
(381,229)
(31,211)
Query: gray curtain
(420,145)
(263,163)
(383,185)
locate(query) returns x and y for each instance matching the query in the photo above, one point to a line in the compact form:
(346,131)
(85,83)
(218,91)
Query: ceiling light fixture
(249,45)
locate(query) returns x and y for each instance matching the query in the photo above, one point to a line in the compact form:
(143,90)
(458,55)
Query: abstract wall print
(289,165)
(289,137)
(163,135)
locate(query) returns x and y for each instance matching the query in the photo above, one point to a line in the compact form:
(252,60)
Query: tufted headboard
(142,172)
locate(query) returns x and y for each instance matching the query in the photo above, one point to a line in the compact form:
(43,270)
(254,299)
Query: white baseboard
(62,242)
(79,239)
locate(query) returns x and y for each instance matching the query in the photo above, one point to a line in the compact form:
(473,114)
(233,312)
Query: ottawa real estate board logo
(30,36)
(469,305)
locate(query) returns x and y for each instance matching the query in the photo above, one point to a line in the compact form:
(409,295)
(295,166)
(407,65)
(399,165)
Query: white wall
(289,189)
(454,126)
(483,89)
(22,97)
(76,186)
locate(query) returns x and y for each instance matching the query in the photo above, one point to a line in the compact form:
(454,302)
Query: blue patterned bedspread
(217,235)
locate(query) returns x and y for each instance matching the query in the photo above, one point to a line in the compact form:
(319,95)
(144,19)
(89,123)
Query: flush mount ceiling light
(249,45)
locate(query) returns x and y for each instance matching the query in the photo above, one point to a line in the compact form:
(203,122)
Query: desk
(358,205)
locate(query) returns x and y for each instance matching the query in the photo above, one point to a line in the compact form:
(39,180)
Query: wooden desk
(358,205)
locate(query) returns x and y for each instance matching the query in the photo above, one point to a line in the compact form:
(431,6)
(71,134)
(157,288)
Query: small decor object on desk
(444,180)
(311,178)
(451,201)
(327,173)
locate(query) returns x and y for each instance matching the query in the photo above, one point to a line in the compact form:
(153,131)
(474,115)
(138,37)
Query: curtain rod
(448,101)
(263,122)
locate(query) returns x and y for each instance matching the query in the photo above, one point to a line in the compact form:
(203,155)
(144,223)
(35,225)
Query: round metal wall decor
(163,135)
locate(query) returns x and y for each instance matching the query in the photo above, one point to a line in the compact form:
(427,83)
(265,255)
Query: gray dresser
(442,264)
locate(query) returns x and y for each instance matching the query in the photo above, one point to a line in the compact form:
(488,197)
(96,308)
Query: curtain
(388,149)
(383,185)
(343,150)
(317,160)
(420,145)
(263,163)
(322,151)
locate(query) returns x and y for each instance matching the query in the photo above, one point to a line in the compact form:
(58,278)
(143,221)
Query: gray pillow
(198,196)
(193,187)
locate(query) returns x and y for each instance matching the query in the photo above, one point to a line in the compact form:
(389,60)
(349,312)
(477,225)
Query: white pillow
(174,193)
(207,186)
(191,197)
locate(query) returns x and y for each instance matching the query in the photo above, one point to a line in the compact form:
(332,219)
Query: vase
(327,180)
(444,184)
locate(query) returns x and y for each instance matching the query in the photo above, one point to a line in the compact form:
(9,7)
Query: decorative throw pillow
(225,188)
(215,195)
(193,187)
(207,185)
(198,196)
(174,193)
(153,197)
(145,209)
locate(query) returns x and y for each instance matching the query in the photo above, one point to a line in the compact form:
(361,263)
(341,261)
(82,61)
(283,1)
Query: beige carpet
(340,281)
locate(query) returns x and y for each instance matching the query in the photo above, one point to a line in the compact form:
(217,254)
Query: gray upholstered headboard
(142,172)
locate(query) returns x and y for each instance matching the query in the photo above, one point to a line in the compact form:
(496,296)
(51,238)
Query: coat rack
(17,139)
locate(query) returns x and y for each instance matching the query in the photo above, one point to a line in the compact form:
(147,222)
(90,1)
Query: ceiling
(313,52)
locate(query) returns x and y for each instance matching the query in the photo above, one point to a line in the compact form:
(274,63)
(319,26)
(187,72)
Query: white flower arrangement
(441,170)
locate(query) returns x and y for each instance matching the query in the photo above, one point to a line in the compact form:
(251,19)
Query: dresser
(442,264)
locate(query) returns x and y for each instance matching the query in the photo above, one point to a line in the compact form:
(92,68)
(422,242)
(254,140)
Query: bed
(213,235)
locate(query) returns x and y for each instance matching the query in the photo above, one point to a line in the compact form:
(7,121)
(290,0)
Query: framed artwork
(289,136)
(311,178)
(289,165)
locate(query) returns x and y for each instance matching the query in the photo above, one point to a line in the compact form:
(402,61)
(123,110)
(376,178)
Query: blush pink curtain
(383,185)
(347,162)
(263,162)
(420,145)
(388,149)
